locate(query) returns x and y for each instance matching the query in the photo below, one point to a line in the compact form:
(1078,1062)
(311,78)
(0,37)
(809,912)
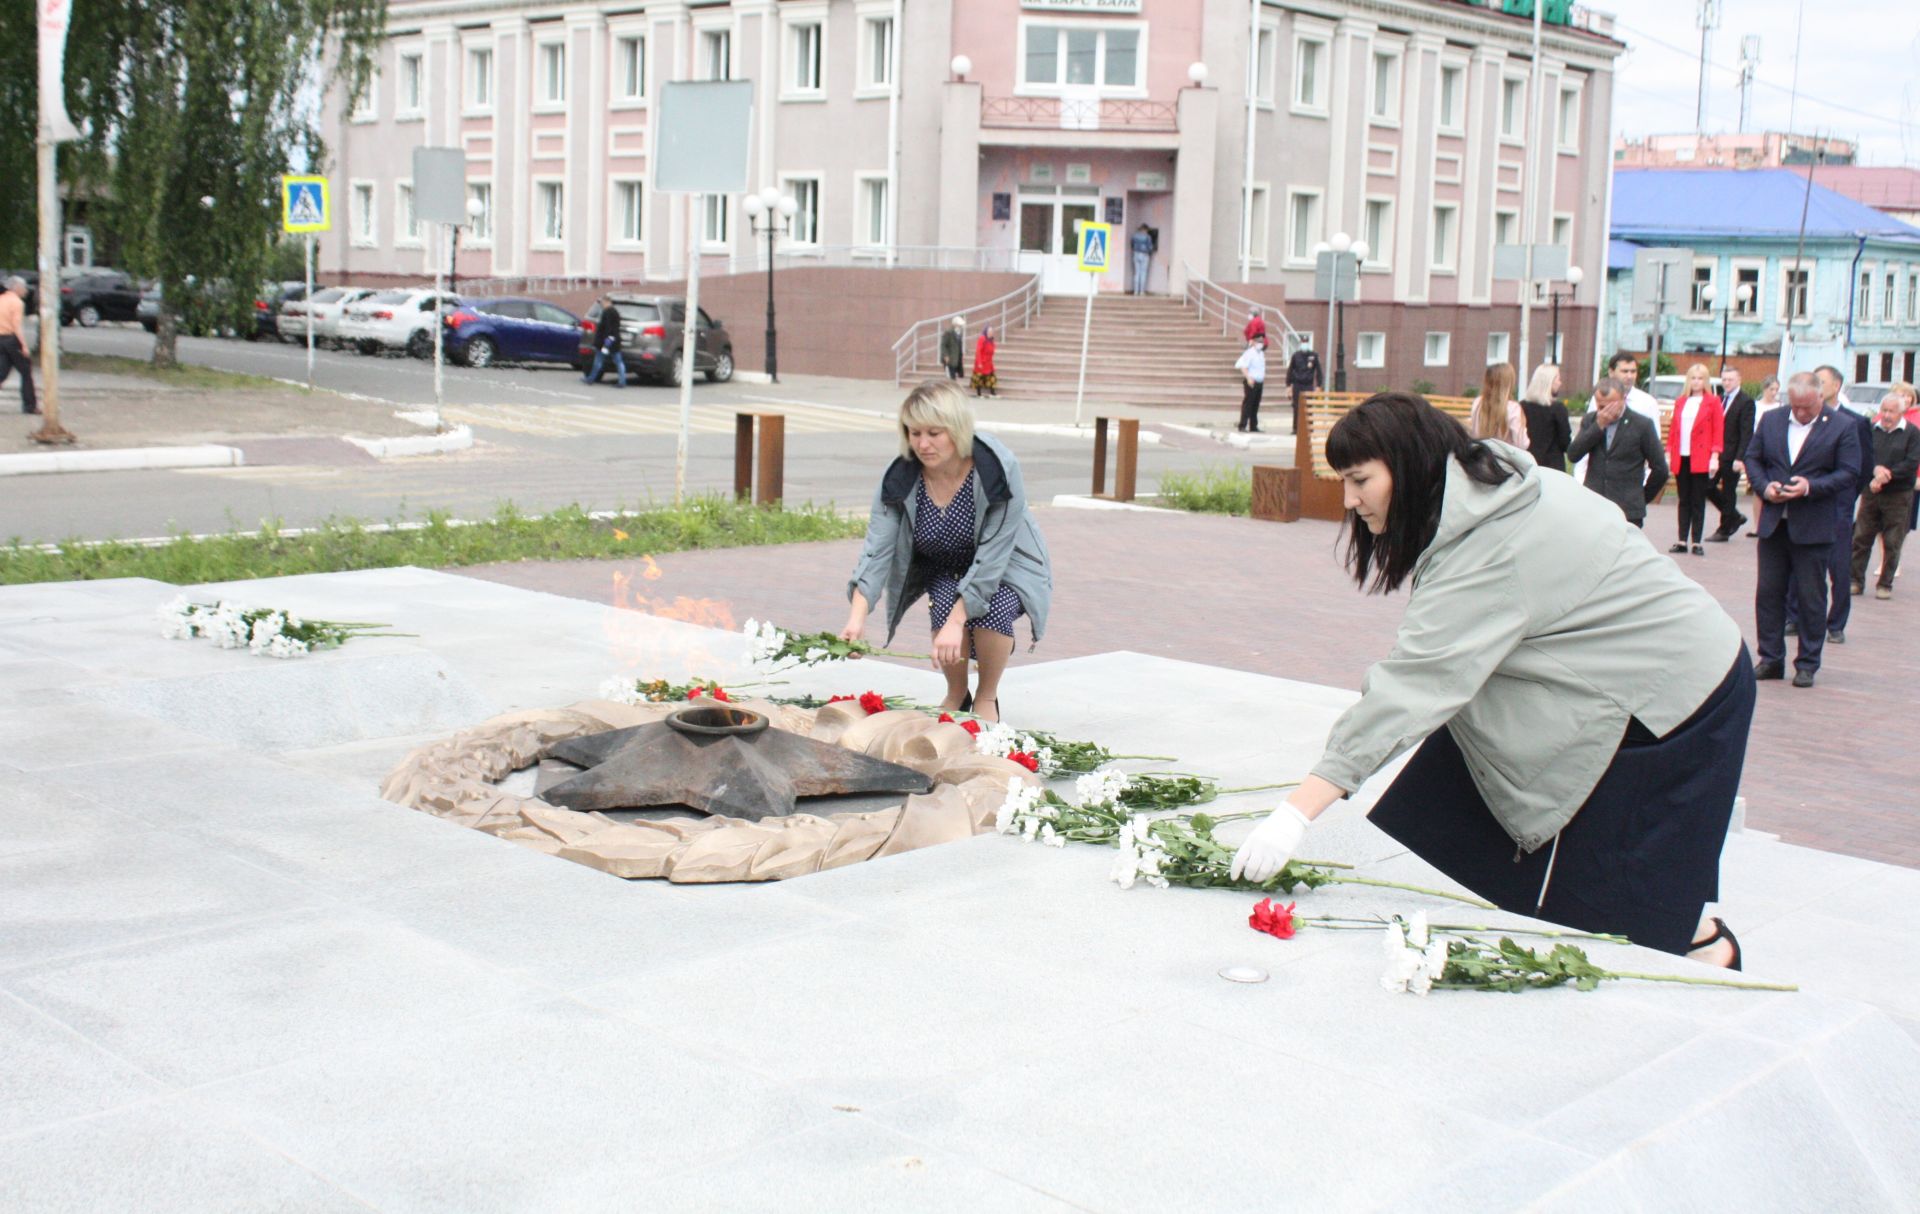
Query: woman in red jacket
(985,382)
(1695,436)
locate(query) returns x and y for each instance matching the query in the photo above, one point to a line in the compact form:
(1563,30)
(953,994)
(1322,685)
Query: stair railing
(1214,302)
(921,343)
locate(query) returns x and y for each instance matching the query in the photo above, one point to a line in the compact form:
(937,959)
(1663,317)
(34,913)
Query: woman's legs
(956,676)
(1693,506)
(991,649)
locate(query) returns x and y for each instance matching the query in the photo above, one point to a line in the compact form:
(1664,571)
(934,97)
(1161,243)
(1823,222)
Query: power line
(1778,88)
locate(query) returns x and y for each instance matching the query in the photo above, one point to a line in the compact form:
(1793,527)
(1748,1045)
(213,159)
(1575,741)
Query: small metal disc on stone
(1244,973)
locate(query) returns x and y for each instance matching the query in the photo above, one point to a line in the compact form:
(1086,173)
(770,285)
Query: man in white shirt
(1626,368)
(1252,366)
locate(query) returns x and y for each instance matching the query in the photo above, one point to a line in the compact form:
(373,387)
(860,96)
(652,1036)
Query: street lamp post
(1575,275)
(769,211)
(475,208)
(1742,295)
(1342,246)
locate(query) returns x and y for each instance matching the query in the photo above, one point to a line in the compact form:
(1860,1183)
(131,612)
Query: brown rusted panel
(773,458)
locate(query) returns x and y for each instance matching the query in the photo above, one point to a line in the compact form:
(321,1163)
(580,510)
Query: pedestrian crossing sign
(1096,247)
(303,204)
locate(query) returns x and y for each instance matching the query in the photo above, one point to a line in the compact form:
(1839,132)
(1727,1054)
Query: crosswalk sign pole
(1086,332)
(1095,241)
(309,238)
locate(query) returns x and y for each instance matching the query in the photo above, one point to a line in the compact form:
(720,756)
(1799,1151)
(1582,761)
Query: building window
(1567,129)
(480,227)
(716,55)
(1082,56)
(1499,348)
(480,78)
(1913,298)
(1453,82)
(1749,277)
(412,85)
(716,221)
(1446,224)
(365,106)
(629,212)
(630,68)
(1377,231)
(804,228)
(1886,299)
(1886,366)
(1372,350)
(1863,298)
(553,72)
(806,46)
(1259,221)
(1703,274)
(871,222)
(1386,87)
(877,36)
(1303,225)
(1506,227)
(550,205)
(1513,107)
(406,226)
(1862,365)
(1439,349)
(364,230)
(1796,285)
(1563,234)
(1309,78)
(1263,63)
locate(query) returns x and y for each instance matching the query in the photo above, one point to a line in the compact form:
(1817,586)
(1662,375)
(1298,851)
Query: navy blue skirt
(1640,858)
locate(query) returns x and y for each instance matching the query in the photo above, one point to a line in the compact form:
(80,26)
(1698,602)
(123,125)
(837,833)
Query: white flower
(621,690)
(997,740)
(1406,968)
(1394,942)
(176,619)
(1032,829)
(1099,788)
(1126,865)
(1435,961)
(1417,930)
(751,628)
(265,630)
(285,647)
(1052,837)
(1149,864)
(1021,798)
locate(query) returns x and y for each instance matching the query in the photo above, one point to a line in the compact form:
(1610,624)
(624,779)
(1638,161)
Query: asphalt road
(544,439)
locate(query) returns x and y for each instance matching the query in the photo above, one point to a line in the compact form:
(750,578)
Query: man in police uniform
(1304,375)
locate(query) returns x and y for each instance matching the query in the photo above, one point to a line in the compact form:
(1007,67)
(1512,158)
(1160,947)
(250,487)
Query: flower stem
(894,653)
(1336,923)
(1745,986)
(1155,758)
(1417,889)
(1228,792)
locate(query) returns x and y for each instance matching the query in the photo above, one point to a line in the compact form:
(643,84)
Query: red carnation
(696,691)
(837,699)
(1275,921)
(947,718)
(972,727)
(873,702)
(720,693)
(1025,760)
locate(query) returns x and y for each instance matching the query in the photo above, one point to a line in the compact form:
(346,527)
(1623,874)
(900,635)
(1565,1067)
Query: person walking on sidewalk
(1304,375)
(1889,497)
(1738,432)
(607,340)
(13,341)
(953,349)
(985,382)
(1252,367)
(1141,245)
(1695,437)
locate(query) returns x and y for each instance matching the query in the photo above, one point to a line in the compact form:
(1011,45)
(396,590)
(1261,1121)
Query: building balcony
(1079,114)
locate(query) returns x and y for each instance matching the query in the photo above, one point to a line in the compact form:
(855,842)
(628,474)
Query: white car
(322,312)
(395,320)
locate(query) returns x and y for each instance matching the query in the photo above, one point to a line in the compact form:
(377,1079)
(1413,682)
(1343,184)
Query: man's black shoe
(1769,670)
(1803,678)
(1720,537)
(1836,636)
(1793,629)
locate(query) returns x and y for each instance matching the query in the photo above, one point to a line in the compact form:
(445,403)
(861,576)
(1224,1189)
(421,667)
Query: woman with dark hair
(1568,768)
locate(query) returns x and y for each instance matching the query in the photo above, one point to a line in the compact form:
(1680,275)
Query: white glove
(1271,845)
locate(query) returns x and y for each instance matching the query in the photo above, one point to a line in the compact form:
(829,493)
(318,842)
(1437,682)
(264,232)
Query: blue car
(481,332)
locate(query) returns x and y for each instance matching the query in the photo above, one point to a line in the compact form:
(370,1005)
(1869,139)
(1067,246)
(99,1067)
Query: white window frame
(795,19)
(471,102)
(787,183)
(1561,144)
(478,237)
(406,213)
(617,239)
(1265,93)
(1380,251)
(416,54)
(545,101)
(704,36)
(1260,225)
(1458,123)
(1500,351)
(720,207)
(541,238)
(866,83)
(629,50)
(1518,135)
(1316,105)
(1100,27)
(1445,359)
(1696,307)
(366,107)
(364,217)
(1500,213)
(1863,294)
(863,213)
(1807,268)
(1442,259)
(1756,307)
(1379,355)
(1396,78)
(1304,242)
(1890,280)
(1913,296)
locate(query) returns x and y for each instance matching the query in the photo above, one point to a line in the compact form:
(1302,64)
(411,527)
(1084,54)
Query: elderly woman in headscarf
(985,382)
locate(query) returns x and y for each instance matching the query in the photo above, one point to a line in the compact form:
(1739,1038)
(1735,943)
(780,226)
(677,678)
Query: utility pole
(53,129)
(1530,204)
(1749,61)
(1708,19)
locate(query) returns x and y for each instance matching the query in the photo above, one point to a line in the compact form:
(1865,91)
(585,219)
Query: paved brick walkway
(1833,768)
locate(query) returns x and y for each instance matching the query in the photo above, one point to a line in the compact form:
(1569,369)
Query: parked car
(32,278)
(1667,388)
(323,312)
(652,331)
(272,297)
(147,312)
(485,331)
(1865,398)
(395,320)
(98,295)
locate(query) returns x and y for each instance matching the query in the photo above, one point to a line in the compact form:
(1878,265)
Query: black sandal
(966,704)
(1720,932)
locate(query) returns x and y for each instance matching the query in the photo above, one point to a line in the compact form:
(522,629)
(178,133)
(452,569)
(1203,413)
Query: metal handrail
(754,261)
(1211,300)
(1018,306)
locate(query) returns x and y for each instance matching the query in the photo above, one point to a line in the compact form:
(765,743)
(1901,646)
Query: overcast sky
(1859,70)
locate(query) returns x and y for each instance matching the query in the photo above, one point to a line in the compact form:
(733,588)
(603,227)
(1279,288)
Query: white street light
(1197,72)
(961,65)
(1745,293)
(1708,293)
(788,205)
(475,208)
(753,206)
(1360,250)
(1576,275)
(1322,247)
(1341,242)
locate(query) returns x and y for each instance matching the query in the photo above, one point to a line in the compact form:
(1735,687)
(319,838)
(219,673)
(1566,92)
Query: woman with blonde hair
(1695,435)
(1549,430)
(1496,412)
(950,521)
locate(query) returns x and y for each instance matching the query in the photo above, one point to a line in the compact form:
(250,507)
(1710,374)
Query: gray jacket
(1631,472)
(1008,549)
(1539,623)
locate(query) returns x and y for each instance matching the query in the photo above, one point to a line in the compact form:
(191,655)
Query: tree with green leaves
(194,110)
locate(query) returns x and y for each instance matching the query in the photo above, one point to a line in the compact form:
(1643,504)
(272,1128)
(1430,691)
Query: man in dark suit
(1803,457)
(1628,464)
(1304,375)
(1724,491)
(1840,560)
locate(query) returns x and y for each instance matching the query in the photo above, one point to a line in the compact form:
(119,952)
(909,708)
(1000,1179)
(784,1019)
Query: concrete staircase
(1144,351)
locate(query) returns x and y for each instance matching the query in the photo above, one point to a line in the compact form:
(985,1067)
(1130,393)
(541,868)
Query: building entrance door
(1050,241)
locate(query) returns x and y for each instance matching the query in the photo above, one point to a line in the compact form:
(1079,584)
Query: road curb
(1080,501)
(459,438)
(122,459)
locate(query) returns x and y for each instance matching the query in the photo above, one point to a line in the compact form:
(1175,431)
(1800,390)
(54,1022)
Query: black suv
(98,295)
(653,329)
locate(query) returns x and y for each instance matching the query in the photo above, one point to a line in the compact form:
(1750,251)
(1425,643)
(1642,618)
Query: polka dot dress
(943,539)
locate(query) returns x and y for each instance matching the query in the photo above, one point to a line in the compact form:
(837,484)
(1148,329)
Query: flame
(648,569)
(636,645)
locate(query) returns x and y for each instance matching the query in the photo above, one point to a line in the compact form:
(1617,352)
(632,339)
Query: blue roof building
(1851,287)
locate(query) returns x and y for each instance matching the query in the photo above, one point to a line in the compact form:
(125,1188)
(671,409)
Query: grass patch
(181,376)
(437,542)
(1226,490)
